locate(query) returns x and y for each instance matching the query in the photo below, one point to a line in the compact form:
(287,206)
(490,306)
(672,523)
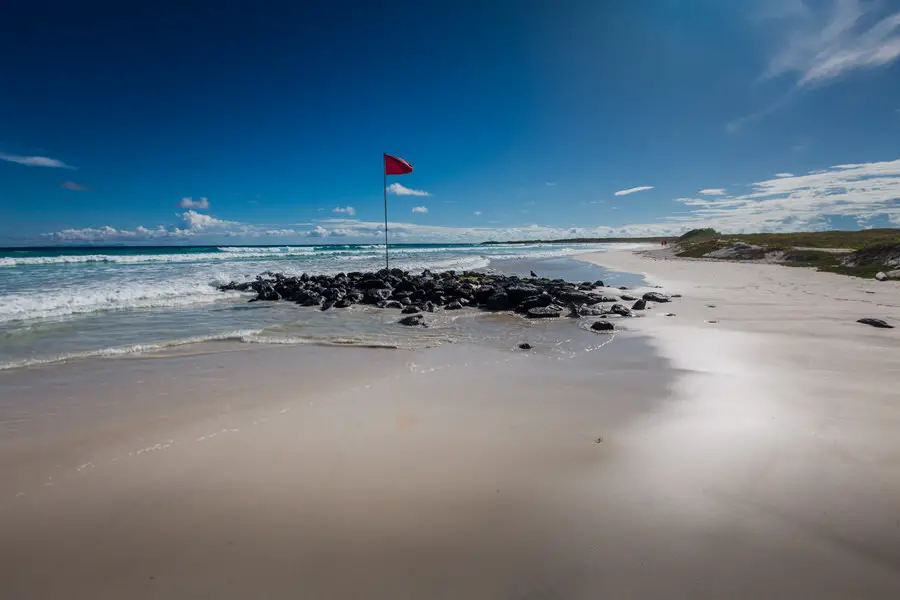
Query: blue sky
(264,122)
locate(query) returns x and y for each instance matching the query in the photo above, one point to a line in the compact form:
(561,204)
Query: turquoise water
(57,303)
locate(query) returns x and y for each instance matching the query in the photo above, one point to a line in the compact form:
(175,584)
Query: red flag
(396,166)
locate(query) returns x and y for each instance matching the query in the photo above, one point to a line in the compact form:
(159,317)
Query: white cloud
(419,209)
(200,203)
(347,210)
(784,174)
(633,190)
(864,192)
(712,192)
(35,161)
(198,221)
(824,45)
(317,232)
(477,213)
(399,190)
(75,187)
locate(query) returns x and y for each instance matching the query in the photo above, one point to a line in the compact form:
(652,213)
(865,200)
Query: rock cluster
(532,297)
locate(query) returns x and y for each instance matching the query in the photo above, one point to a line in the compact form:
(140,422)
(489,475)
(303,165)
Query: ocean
(68,303)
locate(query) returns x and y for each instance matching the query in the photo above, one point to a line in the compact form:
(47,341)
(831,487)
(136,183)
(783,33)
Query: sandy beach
(752,457)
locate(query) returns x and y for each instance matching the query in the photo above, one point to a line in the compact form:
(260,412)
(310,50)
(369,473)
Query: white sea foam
(105,296)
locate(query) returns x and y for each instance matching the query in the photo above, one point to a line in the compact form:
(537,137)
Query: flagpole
(384,189)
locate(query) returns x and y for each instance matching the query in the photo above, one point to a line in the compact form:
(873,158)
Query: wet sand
(306,472)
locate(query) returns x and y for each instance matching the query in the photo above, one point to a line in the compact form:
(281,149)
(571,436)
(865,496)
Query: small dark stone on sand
(603,326)
(525,346)
(639,305)
(670,314)
(875,323)
(628,297)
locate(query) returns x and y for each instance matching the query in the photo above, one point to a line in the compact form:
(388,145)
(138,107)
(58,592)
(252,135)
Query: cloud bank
(868,194)
(347,210)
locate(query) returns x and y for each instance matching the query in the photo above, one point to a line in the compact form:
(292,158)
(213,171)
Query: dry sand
(769,468)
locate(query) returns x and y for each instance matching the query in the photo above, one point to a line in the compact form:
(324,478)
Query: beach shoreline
(754,455)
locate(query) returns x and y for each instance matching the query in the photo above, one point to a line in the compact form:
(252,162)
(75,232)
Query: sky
(264,122)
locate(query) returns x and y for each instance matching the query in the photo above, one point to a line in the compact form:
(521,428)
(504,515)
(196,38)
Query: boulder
(639,305)
(411,309)
(429,307)
(455,305)
(413,320)
(483,294)
(376,295)
(343,303)
(628,297)
(525,346)
(598,283)
(618,309)
(888,275)
(655,297)
(327,304)
(875,323)
(602,326)
(498,301)
(518,292)
(577,296)
(544,312)
(373,284)
(392,304)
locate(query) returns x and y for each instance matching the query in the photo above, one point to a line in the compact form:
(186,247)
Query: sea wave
(137,259)
(108,296)
(246,336)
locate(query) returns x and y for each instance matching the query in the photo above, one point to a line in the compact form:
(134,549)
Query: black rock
(534,302)
(598,283)
(518,293)
(544,312)
(525,346)
(498,301)
(455,305)
(655,297)
(429,307)
(628,297)
(639,305)
(344,303)
(392,304)
(374,296)
(327,304)
(482,294)
(373,284)
(623,287)
(618,309)
(413,320)
(411,309)
(875,323)
(576,296)
(602,326)
(605,299)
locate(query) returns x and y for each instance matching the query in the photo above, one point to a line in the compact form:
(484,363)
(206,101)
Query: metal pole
(384,188)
